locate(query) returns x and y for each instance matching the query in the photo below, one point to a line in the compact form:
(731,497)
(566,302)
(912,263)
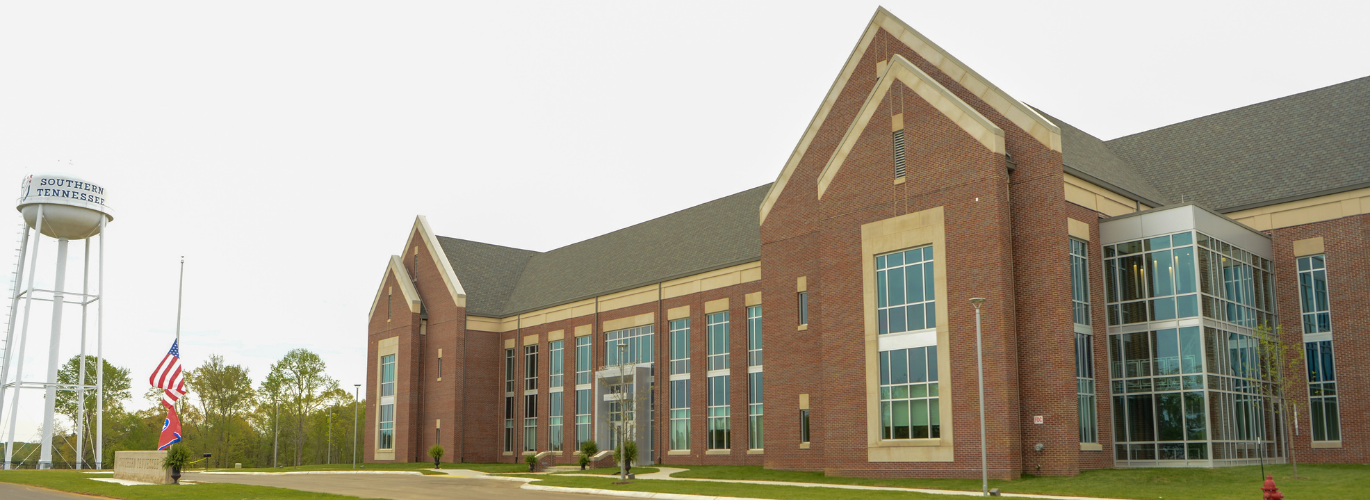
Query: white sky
(285,147)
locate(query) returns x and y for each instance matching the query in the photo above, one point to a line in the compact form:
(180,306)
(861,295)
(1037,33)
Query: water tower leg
(23,340)
(100,357)
(50,401)
(9,328)
(81,378)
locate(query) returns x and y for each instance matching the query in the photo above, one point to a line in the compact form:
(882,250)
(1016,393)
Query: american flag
(168,376)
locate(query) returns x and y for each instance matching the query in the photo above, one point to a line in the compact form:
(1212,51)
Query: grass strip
(612,471)
(1322,481)
(79,482)
(729,489)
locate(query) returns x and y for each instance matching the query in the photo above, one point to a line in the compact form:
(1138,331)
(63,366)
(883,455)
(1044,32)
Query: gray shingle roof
(503,281)
(1089,155)
(1296,146)
(487,272)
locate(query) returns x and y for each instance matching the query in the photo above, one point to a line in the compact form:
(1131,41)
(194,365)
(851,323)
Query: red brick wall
(1347,245)
(1099,321)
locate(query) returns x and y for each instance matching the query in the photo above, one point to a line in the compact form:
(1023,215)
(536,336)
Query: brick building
(1125,283)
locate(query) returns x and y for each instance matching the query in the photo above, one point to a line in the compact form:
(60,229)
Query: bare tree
(1283,364)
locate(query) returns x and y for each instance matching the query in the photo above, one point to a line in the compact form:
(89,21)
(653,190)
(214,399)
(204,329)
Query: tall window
(1313,294)
(1079,280)
(582,360)
(554,416)
(556,358)
(909,394)
(508,423)
(803,426)
(1322,391)
(1084,387)
(639,340)
(755,427)
(718,340)
(904,281)
(530,367)
(388,375)
(754,336)
(530,422)
(583,403)
(803,308)
(719,424)
(508,370)
(680,346)
(680,414)
(386,438)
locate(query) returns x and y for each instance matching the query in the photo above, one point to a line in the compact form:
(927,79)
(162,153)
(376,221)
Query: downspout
(660,388)
(461,442)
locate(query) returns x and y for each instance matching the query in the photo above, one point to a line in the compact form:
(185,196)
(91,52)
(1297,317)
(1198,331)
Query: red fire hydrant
(1272,492)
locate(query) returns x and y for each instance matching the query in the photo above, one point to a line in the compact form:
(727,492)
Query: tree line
(296,415)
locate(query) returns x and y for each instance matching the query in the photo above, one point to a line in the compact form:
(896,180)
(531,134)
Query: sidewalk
(665,473)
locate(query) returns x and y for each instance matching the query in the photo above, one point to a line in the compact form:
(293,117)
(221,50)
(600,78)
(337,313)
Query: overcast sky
(284,148)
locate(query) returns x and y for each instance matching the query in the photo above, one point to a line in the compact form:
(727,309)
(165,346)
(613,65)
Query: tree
(1284,363)
(116,385)
(224,390)
(303,384)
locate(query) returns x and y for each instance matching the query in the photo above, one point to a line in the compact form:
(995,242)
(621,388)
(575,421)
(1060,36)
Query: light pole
(330,436)
(356,399)
(622,410)
(275,457)
(980,369)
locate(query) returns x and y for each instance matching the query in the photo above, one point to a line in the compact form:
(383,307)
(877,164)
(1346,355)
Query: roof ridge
(1239,108)
(491,244)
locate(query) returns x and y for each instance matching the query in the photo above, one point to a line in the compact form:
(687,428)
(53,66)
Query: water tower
(65,208)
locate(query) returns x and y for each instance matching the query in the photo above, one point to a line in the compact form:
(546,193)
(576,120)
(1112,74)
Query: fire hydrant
(1272,492)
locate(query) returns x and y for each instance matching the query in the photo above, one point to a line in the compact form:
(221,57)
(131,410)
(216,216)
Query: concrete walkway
(665,473)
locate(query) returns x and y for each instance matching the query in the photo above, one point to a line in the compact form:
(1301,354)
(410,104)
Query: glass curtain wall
(1188,383)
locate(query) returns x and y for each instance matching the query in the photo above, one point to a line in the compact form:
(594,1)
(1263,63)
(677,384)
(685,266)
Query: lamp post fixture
(622,410)
(980,375)
(356,398)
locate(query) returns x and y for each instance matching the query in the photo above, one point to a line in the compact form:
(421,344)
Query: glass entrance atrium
(1184,309)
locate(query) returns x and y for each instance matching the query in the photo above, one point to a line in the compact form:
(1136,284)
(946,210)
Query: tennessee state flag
(171,425)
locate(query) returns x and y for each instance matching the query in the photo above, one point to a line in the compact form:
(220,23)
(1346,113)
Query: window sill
(898,180)
(718,452)
(1091,447)
(677,452)
(439,379)
(508,453)
(756,452)
(803,327)
(1326,444)
(803,446)
(899,443)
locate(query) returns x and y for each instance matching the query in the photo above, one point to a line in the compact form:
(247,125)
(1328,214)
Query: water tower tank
(72,207)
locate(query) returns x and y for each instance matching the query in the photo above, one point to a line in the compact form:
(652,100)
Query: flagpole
(181,286)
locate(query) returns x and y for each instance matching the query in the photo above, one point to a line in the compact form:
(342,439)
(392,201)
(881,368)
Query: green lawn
(420,467)
(612,471)
(728,489)
(79,482)
(1320,481)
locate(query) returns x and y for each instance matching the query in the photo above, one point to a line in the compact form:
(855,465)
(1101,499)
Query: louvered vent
(898,153)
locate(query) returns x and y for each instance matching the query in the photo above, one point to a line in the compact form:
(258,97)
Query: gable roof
(1286,149)
(1091,158)
(504,281)
(1020,114)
